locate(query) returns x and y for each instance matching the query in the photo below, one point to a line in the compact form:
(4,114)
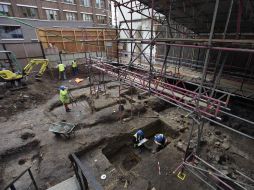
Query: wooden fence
(79,40)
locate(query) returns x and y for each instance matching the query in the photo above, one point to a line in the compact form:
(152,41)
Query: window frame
(109,6)
(82,3)
(99,2)
(73,13)
(55,13)
(13,38)
(68,2)
(84,14)
(9,9)
(105,20)
(22,8)
(103,5)
(110,21)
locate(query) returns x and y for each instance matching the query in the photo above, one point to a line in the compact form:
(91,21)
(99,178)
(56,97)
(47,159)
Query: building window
(52,14)
(87,17)
(29,12)
(71,16)
(86,3)
(110,20)
(125,46)
(109,6)
(10,32)
(5,10)
(100,4)
(101,19)
(69,1)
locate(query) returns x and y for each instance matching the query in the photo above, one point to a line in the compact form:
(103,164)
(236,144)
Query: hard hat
(140,133)
(62,87)
(158,137)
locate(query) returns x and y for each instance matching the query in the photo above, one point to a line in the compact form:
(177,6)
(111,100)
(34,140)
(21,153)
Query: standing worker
(64,97)
(62,73)
(74,67)
(161,141)
(138,137)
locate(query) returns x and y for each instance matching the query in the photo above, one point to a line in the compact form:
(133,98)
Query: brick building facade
(50,13)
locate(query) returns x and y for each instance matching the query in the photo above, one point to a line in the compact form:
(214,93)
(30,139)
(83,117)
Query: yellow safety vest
(74,64)
(64,96)
(61,67)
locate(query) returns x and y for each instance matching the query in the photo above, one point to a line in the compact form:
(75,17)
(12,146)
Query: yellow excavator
(28,68)
(11,71)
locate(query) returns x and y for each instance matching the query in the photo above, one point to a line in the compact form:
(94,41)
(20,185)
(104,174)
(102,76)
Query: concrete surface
(69,184)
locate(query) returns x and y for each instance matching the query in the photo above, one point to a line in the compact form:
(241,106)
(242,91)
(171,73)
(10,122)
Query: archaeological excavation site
(127,94)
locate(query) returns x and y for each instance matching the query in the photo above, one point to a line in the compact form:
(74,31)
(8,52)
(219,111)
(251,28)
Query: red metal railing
(203,104)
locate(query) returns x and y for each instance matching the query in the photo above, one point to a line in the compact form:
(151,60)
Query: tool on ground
(78,80)
(62,128)
(142,142)
(103,176)
(181,175)
(159,168)
(74,100)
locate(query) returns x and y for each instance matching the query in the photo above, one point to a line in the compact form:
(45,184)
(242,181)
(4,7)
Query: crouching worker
(138,137)
(64,97)
(161,141)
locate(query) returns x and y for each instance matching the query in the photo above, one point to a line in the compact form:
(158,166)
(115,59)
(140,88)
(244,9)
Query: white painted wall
(144,24)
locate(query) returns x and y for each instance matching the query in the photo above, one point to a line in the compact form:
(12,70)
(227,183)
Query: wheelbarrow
(62,128)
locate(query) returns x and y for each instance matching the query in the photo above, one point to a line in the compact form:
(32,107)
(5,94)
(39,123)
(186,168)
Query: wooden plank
(77,40)
(62,39)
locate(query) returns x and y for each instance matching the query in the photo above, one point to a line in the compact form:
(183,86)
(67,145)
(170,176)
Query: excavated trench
(129,99)
(114,144)
(116,157)
(119,149)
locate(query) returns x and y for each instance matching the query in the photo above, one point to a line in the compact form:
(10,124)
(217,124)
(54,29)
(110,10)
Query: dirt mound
(13,102)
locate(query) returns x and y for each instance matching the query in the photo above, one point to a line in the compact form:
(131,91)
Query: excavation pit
(123,164)
(106,142)
(121,153)
(124,158)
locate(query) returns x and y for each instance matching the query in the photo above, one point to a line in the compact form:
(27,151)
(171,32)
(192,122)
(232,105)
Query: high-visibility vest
(64,96)
(74,64)
(61,67)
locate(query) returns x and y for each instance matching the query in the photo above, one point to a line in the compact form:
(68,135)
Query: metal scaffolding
(206,99)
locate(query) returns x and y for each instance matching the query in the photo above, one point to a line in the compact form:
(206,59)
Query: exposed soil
(103,138)
(34,94)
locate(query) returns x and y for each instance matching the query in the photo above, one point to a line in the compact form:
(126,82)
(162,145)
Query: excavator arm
(29,67)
